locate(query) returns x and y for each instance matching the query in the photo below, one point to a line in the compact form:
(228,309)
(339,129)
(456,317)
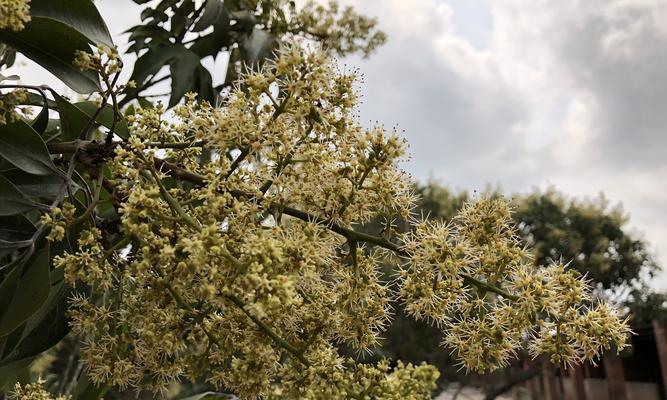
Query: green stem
(173,203)
(298,354)
(95,200)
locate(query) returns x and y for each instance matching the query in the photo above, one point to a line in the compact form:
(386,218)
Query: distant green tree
(589,234)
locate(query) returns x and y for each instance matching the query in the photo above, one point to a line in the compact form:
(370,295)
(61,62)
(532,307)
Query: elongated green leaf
(183,69)
(75,117)
(23,147)
(9,285)
(204,86)
(152,61)
(10,372)
(53,44)
(81,15)
(212,10)
(41,121)
(12,201)
(11,340)
(15,228)
(213,43)
(31,293)
(105,118)
(38,186)
(45,328)
(72,119)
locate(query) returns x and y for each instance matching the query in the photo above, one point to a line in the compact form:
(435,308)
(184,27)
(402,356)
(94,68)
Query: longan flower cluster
(57,220)
(14,14)
(104,59)
(33,391)
(8,104)
(339,29)
(237,258)
(486,324)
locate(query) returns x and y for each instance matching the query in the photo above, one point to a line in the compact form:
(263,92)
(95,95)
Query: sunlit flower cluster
(339,29)
(237,258)
(474,278)
(14,14)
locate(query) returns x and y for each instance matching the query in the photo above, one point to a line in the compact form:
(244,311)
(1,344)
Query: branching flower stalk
(251,271)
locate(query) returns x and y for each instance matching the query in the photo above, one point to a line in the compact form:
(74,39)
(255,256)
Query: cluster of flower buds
(237,257)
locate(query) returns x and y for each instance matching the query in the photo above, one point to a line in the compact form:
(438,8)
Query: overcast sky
(521,93)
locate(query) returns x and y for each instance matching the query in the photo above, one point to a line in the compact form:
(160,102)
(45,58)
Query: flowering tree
(220,241)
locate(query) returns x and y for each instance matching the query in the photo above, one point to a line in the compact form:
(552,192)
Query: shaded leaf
(81,15)
(41,121)
(204,86)
(24,148)
(72,119)
(183,69)
(53,44)
(213,43)
(38,186)
(31,292)
(155,58)
(212,10)
(46,328)
(105,118)
(15,228)
(9,284)
(12,201)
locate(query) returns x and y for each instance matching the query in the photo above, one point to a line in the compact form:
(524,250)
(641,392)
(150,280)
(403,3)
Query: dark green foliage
(588,234)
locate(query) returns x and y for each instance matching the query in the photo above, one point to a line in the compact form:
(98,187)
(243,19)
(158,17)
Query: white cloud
(567,92)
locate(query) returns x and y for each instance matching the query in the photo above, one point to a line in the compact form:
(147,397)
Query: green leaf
(23,147)
(183,69)
(35,99)
(9,285)
(76,116)
(153,60)
(213,43)
(44,329)
(72,119)
(15,228)
(38,186)
(12,201)
(145,103)
(10,372)
(81,15)
(105,117)
(212,11)
(31,293)
(204,86)
(53,44)
(41,121)
(11,340)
